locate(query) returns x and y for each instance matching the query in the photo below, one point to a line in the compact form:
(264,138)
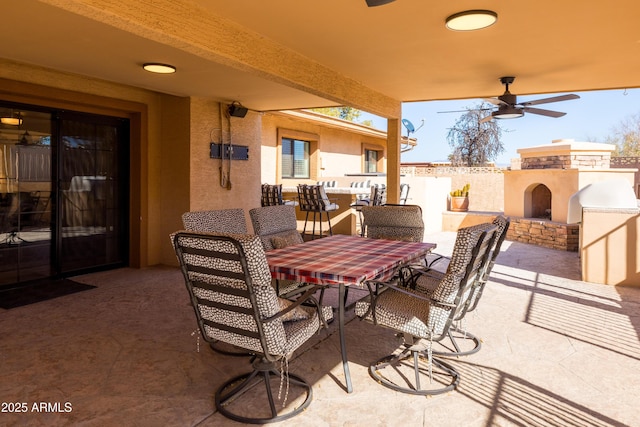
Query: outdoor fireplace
(538,187)
(541,202)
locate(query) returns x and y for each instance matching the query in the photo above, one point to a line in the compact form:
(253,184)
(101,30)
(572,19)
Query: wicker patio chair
(229,285)
(423,319)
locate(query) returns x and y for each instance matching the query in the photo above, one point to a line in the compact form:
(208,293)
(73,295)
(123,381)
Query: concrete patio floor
(556,352)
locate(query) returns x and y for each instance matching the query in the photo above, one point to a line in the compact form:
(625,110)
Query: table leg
(343,345)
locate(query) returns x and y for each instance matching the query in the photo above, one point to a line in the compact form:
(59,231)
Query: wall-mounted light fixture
(158,68)
(471,20)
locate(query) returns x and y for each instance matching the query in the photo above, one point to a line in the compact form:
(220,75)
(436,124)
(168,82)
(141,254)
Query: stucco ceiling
(401,50)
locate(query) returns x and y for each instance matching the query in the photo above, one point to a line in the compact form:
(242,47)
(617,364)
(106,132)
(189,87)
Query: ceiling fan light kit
(471,20)
(510,108)
(507,112)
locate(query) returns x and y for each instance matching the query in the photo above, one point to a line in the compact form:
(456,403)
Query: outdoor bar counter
(343,221)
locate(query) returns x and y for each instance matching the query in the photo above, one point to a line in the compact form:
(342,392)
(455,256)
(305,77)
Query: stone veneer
(566,162)
(555,235)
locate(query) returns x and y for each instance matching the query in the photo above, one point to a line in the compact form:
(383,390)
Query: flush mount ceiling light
(12,119)
(155,67)
(470,20)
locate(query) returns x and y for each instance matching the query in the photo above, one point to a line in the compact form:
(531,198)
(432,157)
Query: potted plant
(460,199)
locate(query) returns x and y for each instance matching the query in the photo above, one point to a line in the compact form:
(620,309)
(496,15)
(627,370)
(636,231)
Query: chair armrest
(306,297)
(381,287)
(437,259)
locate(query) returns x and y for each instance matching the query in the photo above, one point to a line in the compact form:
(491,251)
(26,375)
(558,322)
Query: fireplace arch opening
(537,202)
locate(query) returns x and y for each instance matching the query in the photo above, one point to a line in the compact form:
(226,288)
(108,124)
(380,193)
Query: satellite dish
(410,127)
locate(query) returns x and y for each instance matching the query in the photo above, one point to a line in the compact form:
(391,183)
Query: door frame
(137,113)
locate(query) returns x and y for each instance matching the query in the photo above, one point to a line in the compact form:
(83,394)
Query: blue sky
(590,118)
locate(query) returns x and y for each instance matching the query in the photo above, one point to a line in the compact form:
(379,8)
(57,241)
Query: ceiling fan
(510,108)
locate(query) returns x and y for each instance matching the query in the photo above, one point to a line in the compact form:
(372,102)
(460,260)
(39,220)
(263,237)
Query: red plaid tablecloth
(343,259)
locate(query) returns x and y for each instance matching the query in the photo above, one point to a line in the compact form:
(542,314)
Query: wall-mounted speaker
(237,110)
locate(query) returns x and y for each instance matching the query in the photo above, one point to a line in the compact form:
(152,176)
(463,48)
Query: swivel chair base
(408,372)
(237,396)
(463,343)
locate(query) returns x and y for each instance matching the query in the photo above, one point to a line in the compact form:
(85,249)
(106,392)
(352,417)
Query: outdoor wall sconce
(471,20)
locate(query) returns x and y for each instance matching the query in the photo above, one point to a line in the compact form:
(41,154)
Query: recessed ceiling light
(470,20)
(159,68)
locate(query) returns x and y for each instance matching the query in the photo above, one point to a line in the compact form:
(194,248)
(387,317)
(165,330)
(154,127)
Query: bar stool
(313,198)
(378,197)
(272,196)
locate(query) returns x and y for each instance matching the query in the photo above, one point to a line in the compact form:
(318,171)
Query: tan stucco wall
(610,239)
(561,182)
(173,159)
(339,151)
(193,177)
(171,170)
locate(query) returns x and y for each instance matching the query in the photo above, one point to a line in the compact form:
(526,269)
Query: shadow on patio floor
(556,351)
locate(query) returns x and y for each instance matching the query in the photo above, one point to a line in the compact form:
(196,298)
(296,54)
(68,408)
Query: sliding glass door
(63,193)
(92,185)
(25,195)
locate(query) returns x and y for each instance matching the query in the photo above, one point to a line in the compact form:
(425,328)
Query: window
(372,157)
(295,158)
(370,161)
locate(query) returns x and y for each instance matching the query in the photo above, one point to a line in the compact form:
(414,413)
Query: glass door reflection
(25,196)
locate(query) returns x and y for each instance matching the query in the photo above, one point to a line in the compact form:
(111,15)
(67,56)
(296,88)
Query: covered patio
(556,352)
(283,55)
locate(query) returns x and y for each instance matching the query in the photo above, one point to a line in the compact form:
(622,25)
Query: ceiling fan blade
(464,111)
(542,112)
(495,101)
(372,3)
(552,99)
(486,119)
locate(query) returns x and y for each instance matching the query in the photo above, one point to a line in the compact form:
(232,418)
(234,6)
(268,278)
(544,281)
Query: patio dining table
(342,260)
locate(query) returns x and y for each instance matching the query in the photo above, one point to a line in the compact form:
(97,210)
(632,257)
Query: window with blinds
(295,158)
